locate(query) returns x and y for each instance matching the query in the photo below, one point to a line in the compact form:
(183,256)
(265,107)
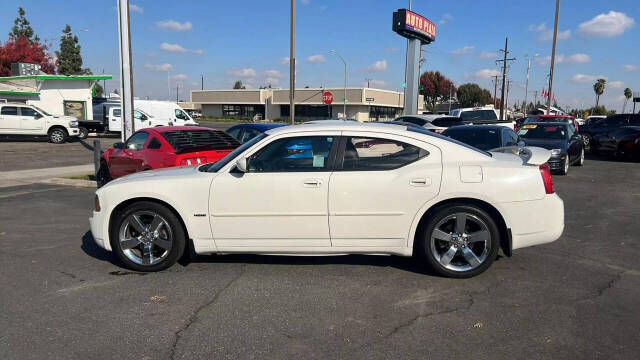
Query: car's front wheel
(83,132)
(58,135)
(147,237)
(460,241)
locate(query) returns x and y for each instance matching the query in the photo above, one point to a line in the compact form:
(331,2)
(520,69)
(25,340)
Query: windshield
(232,155)
(478,115)
(42,111)
(543,131)
(555,119)
(482,138)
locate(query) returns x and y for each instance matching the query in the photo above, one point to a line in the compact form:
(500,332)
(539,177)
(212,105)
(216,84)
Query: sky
(177,42)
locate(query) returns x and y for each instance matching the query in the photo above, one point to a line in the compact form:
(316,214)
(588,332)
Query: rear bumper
(534,222)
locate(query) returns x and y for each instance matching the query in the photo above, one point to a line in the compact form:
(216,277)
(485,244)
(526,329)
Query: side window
(138,115)
(181,115)
(154,144)
(374,154)
(249,134)
(25,111)
(509,138)
(419,122)
(116,113)
(306,153)
(235,133)
(137,140)
(9,110)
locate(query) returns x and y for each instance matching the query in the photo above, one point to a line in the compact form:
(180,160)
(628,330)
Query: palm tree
(627,95)
(598,88)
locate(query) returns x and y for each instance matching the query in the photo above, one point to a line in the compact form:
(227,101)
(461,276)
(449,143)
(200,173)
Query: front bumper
(74,132)
(534,222)
(556,163)
(96,224)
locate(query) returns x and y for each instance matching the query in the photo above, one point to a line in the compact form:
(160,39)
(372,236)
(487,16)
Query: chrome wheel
(566,164)
(145,237)
(581,157)
(57,136)
(460,242)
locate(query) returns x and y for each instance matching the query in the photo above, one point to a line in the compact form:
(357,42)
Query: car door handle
(312,183)
(420,182)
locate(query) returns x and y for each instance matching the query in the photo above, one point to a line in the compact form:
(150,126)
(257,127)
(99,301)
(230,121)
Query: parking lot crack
(194,316)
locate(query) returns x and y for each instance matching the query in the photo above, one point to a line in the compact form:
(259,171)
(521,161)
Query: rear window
(543,131)
(480,137)
(474,115)
(424,131)
(182,140)
(447,122)
(556,119)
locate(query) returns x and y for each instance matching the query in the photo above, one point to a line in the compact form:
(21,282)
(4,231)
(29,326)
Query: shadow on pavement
(92,249)
(608,158)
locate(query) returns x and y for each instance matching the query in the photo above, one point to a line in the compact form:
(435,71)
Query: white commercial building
(56,94)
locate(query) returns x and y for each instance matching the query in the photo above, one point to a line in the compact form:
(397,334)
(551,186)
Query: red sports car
(165,146)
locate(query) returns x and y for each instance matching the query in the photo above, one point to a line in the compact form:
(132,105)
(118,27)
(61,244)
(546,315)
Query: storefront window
(382,113)
(245,111)
(308,111)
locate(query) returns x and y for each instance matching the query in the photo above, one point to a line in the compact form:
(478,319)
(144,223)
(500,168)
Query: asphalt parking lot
(63,297)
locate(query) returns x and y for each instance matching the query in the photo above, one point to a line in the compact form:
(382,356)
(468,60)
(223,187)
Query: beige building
(362,104)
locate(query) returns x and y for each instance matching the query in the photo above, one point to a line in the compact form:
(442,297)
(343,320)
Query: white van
(165,110)
(22,119)
(141,120)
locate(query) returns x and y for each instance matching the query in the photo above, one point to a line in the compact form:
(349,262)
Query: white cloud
(631,67)
(445,19)
(314,59)
(377,66)
(273,74)
(136,8)
(464,50)
(486,74)
(538,28)
(172,47)
(180,77)
(174,25)
(197,51)
(616,84)
(159,67)
(606,25)
(488,55)
(547,34)
(584,78)
(242,73)
(562,59)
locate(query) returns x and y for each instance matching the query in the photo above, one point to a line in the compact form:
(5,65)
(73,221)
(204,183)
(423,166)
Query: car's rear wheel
(58,135)
(104,175)
(147,236)
(460,241)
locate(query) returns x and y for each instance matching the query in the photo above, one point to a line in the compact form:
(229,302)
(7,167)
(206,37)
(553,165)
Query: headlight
(555,152)
(73,123)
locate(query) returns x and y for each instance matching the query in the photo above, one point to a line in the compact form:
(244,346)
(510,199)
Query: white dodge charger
(336,188)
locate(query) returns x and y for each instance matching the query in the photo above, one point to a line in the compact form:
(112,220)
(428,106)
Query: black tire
(178,236)
(84,133)
(426,252)
(588,143)
(58,135)
(104,175)
(580,161)
(565,166)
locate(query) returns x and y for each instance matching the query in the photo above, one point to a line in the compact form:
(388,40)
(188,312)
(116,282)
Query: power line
(504,74)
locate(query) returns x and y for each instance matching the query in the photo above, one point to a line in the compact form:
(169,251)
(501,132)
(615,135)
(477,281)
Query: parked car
(449,204)
(141,120)
(486,115)
(608,124)
(594,117)
(486,137)
(27,120)
(168,111)
(246,132)
(433,122)
(566,145)
(623,142)
(552,118)
(162,147)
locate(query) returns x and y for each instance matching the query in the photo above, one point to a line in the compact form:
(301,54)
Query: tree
(23,50)
(471,94)
(627,95)
(238,85)
(69,58)
(98,90)
(598,88)
(436,87)
(22,27)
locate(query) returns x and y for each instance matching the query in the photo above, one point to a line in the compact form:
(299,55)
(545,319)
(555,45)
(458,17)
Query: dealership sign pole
(419,30)
(126,76)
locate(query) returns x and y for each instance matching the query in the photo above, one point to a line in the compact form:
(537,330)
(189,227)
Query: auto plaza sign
(413,26)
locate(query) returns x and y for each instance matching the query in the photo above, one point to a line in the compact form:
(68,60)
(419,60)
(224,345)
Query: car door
(31,121)
(129,160)
(10,120)
(281,201)
(115,119)
(575,145)
(378,186)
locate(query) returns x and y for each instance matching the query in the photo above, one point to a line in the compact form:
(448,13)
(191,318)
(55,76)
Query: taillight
(294,151)
(193,161)
(547,180)
(515,127)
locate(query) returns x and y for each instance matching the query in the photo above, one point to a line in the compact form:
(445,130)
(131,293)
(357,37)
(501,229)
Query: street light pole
(292,64)
(201,81)
(344,101)
(553,57)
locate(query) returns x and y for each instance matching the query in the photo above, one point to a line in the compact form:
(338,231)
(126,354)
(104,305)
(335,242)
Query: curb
(70,182)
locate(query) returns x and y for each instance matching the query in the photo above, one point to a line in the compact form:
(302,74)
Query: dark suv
(607,124)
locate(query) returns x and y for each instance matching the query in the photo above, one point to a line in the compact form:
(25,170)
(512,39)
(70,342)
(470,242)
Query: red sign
(411,25)
(327,97)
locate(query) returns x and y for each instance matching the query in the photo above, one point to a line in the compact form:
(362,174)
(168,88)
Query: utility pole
(506,100)
(368,80)
(292,64)
(104,86)
(201,81)
(177,91)
(495,89)
(344,100)
(536,95)
(450,91)
(553,56)
(504,74)
(526,86)
(126,71)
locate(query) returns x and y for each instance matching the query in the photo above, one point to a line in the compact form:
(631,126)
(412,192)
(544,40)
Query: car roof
(262,127)
(329,125)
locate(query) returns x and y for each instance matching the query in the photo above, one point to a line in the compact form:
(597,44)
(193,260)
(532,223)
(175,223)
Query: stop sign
(327,97)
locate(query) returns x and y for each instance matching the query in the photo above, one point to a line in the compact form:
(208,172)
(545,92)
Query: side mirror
(118,145)
(241,164)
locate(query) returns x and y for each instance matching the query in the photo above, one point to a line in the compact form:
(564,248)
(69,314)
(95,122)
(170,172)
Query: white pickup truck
(26,120)
(482,116)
